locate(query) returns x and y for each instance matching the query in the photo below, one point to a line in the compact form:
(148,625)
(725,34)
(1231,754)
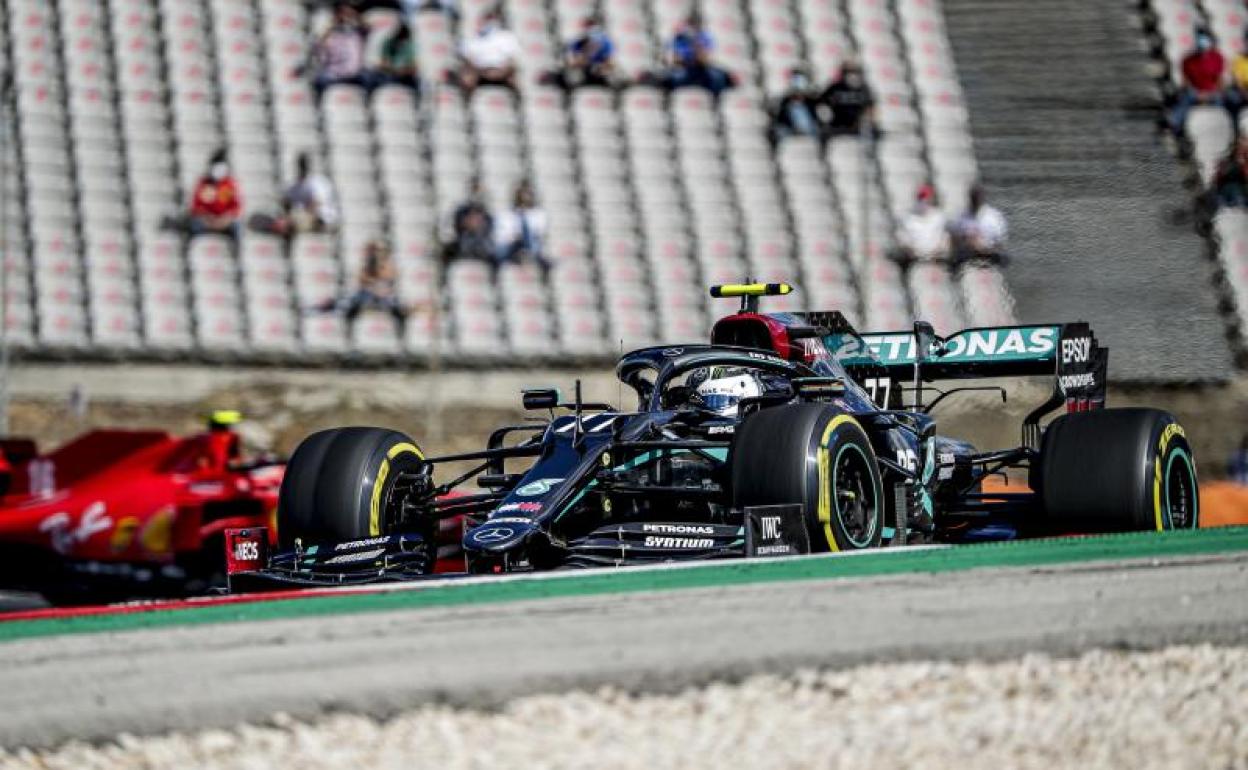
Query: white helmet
(722,394)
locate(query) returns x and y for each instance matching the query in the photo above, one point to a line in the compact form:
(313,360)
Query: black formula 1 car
(788,433)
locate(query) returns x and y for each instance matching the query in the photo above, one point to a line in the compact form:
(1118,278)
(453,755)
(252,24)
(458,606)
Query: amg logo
(679,542)
(1076,350)
(769,527)
(715,430)
(679,529)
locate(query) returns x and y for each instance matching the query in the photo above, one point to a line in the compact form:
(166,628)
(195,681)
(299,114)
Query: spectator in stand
(1230,181)
(409,7)
(1204,76)
(1239,75)
(924,233)
(397,64)
(979,234)
(794,114)
(846,102)
(520,231)
(338,56)
(472,235)
(376,288)
(489,58)
(587,60)
(689,60)
(309,204)
(215,203)
(362,6)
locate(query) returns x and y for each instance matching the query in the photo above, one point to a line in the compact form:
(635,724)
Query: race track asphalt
(94,686)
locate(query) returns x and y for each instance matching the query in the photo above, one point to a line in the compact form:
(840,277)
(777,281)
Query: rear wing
(1068,352)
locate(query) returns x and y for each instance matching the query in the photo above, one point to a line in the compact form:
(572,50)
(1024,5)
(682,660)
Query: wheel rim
(853,491)
(392,497)
(1182,502)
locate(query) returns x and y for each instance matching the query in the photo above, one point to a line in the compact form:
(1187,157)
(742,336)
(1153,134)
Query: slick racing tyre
(1118,469)
(816,456)
(345,484)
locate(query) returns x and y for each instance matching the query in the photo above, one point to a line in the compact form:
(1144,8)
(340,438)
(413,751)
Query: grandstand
(1210,130)
(118,103)
(1064,115)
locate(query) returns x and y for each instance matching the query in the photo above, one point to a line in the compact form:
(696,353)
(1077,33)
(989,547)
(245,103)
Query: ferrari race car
(122,513)
(789,433)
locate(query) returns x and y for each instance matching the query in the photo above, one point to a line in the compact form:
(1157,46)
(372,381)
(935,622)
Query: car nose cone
(497,537)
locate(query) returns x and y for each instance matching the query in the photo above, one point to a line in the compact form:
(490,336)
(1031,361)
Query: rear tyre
(1118,469)
(820,458)
(345,484)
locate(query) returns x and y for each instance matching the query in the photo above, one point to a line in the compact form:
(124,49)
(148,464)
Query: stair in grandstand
(1063,115)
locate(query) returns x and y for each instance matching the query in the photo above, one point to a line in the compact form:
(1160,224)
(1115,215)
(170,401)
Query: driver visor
(718,402)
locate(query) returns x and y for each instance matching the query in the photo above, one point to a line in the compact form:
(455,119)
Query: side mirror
(926,343)
(540,398)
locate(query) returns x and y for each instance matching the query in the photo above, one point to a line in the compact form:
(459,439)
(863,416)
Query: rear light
(246,550)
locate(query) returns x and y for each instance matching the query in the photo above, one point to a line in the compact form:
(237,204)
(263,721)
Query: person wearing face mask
(1203,81)
(520,231)
(338,56)
(489,58)
(587,60)
(924,232)
(794,114)
(376,286)
(470,234)
(690,62)
(396,64)
(215,203)
(846,102)
(979,234)
(309,202)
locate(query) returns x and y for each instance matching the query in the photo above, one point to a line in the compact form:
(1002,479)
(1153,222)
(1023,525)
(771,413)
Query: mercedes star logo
(496,535)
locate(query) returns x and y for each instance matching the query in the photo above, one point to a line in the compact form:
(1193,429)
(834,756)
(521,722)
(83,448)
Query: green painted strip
(1019,554)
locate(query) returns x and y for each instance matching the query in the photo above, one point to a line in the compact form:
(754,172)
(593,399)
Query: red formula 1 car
(124,513)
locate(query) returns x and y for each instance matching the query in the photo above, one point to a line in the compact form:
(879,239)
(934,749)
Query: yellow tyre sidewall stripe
(1157,520)
(1170,431)
(374,507)
(825,475)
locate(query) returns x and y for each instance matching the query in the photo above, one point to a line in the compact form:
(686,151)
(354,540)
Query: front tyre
(346,484)
(820,458)
(1118,469)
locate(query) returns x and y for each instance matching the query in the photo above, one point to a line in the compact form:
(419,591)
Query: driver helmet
(723,388)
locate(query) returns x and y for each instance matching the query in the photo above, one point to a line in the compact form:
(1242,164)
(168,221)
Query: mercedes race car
(789,433)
